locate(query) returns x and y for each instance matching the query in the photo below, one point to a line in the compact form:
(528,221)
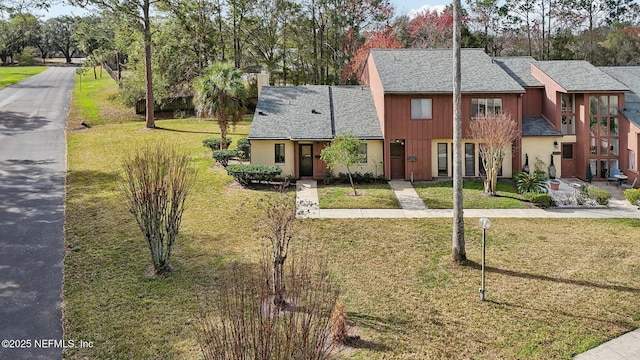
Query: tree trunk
(222,122)
(147,65)
(355,193)
(458,247)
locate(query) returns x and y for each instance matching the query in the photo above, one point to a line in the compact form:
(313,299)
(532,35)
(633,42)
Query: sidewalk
(625,347)
(413,207)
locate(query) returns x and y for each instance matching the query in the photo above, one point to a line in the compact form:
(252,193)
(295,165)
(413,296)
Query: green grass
(439,195)
(555,287)
(370,196)
(12,74)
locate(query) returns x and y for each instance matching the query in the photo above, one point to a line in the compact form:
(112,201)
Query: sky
(402,7)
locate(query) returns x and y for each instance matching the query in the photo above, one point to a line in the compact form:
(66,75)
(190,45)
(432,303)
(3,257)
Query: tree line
(306,41)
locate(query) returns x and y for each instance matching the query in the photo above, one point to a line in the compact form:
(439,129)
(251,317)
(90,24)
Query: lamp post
(484,224)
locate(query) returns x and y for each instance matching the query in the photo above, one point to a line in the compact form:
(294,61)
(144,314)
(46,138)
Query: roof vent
(262,113)
(314,111)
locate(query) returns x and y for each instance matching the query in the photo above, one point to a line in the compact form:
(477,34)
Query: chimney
(263,80)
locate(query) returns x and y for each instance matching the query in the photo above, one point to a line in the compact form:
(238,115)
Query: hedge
(540,200)
(214,144)
(599,195)
(633,195)
(247,173)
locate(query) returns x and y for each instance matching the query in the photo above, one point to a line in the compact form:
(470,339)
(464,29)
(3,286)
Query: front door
(568,161)
(397,160)
(306,160)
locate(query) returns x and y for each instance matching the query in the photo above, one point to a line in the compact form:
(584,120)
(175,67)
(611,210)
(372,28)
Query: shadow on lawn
(477,266)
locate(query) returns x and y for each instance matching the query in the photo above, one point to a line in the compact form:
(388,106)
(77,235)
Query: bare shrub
(246,324)
(156,183)
(339,329)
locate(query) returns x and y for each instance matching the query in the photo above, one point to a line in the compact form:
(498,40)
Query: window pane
(604,107)
(567,151)
(564,99)
(613,126)
(594,167)
(442,159)
(592,146)
(279,153)
(632,159)
(362,153)
(604,146)
(469,159)
(604,127)
(568,125)
(613,105)
(421,108)
(613,146)
(613,164)
(604,168)
(593,105)
(474,107)
(497,105)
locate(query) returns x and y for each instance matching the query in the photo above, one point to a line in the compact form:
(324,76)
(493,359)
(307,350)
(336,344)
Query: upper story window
(603,125)
(421,108)
(485,107)
(568,109)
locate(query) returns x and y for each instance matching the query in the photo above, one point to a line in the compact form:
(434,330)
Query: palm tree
(220,92)
(458,248)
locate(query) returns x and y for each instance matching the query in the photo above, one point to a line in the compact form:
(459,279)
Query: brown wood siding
(418,134)
(319,166)
(532,102)
(371,78)
(550,104)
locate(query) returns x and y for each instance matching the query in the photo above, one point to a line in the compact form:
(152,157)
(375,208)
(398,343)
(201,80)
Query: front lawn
(370,196)
(12,74)
(439,195)
(555,287)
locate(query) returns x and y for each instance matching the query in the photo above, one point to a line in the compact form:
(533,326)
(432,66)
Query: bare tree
(495,134)
(156,183)
(459,252)
(279,227)
(243,325)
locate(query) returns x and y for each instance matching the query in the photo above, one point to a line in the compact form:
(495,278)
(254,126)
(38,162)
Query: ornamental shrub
(245,174)
(540,200)
(530,183)
(214,143)
(599,195)
(633,195)
(223,156)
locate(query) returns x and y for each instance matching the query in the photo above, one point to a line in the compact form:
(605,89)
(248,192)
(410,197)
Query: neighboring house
(293,124)
(569,110)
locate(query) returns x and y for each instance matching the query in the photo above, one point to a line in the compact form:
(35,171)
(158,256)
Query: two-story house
(569,110)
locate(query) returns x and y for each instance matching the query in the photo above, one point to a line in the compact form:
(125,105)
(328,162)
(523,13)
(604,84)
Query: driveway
(32,185)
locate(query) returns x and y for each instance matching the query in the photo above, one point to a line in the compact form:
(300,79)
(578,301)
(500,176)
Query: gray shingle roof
(533,126)
(431,71)
(314,113)
(630,76)
(579,76)
(519,68)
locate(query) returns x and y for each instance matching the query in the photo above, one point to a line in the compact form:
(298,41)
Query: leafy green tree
(343,151)
(62,30)
(220,92)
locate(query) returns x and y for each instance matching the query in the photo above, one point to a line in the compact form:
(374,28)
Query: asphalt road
(32,189)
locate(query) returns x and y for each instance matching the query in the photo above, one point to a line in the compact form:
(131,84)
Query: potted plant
(554,184)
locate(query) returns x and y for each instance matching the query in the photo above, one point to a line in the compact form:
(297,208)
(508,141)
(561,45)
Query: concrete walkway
(413,207)
(625,347)
(407,195)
